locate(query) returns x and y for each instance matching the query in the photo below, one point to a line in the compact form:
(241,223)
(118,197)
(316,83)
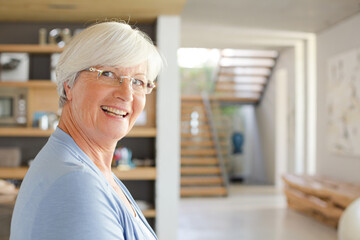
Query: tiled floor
(249,213)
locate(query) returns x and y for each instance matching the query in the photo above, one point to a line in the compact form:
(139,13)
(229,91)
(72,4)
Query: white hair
(106,44)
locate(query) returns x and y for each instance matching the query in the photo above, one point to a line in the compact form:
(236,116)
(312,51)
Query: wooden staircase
(201,174)
(243,74)
(242,79)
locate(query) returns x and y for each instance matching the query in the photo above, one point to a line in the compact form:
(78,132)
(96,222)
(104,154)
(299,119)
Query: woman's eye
(108,74)
(138,82)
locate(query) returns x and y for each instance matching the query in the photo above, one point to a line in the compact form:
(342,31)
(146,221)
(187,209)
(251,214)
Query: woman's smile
(115,112)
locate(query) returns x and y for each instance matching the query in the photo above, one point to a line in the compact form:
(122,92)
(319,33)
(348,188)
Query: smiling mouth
(114,112)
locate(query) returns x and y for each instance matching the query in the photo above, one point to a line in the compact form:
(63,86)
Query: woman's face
(104,111)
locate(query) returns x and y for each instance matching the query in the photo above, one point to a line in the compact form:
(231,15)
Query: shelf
(36,132)
(139,173)
(29,84)
(10,200)
(142,132)
(24,132)
(30,48)
(149,213)
(13,173)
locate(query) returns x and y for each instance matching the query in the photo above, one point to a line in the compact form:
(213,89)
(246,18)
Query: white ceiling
(206,23)
(286,15)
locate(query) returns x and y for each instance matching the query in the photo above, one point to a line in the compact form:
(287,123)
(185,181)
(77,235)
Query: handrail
(216,140)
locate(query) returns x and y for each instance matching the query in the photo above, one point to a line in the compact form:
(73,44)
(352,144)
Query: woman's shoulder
(58,164)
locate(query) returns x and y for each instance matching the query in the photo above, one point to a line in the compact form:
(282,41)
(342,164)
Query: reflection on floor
(249,212)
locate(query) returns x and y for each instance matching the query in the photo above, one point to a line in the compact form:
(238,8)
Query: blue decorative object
(238,142)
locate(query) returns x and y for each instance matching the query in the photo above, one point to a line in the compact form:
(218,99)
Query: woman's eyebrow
(140,74)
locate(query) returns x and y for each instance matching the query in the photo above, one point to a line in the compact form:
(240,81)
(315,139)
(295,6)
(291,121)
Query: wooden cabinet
(42,96)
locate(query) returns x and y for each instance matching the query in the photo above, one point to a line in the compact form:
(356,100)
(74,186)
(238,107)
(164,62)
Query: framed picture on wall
(343,103)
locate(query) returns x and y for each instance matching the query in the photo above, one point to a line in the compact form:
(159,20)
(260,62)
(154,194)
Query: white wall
(168,130)
(253,161)
(336,40)
(266,116)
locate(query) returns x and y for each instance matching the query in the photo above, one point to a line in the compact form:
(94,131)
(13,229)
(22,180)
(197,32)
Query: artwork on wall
(343,103)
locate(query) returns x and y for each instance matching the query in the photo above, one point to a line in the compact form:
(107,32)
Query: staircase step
(203,143)
(201,181)
(203,134)
(200,170)
(190,143)
(198,152)
(201,118)
(202,191)
(197,104)
(185,127)
(239,87)
(245,71)
(247,62)
(232,78)
(238,97)
(203,126)
(190,135)
(199,161)
(189,110)
(202,152)
(249,53)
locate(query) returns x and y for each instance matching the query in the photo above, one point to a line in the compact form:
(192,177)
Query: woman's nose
(124,90)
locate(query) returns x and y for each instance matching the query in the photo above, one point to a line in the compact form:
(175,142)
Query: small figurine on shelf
(122,158)
(60,37)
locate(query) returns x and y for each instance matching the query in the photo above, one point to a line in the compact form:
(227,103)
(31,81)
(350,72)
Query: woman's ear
(68,91)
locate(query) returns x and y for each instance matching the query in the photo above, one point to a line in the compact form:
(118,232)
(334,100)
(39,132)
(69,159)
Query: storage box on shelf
(42,97)
(322,198)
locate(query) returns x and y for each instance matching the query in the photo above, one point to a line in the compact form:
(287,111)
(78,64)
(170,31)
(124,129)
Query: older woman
(69,191)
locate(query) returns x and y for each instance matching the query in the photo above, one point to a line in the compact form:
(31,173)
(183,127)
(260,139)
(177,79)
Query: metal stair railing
(215,138)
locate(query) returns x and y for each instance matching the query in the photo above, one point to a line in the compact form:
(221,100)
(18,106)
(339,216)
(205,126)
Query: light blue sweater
(65,196)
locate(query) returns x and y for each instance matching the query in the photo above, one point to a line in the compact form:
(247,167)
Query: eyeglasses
(139,84)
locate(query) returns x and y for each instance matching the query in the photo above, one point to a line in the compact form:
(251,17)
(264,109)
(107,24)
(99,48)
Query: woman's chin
(114,133)
(117,135)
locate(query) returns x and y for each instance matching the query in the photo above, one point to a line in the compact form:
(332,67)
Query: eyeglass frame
(148,90)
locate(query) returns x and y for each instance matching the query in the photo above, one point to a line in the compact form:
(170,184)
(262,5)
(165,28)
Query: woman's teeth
(114,111)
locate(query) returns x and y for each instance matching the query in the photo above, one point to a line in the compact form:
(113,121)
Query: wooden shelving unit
(24,132)
(30,48)
(13,173)
(142,132)
(138,173)
(30,83)
(36,132)
(149,213)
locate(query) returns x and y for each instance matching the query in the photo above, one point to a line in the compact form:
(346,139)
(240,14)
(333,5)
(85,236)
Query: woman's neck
(100,151)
